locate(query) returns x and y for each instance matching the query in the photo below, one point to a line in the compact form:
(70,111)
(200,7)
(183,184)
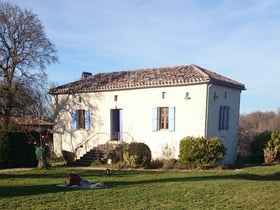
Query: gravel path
(14,169)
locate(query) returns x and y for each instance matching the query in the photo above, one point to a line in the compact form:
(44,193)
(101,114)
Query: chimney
(85,75)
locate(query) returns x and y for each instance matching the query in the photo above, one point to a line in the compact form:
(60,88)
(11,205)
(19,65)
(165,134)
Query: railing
(126,137)
(91,138)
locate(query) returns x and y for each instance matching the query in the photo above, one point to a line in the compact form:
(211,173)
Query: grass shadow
(117,179)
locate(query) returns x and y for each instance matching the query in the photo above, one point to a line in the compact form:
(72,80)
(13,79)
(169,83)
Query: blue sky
(239,39)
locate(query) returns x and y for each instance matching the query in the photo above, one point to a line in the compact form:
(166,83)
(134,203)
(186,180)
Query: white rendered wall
(222,96)
(137,104)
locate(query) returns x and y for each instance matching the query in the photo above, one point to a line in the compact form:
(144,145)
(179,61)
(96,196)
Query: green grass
(246,188)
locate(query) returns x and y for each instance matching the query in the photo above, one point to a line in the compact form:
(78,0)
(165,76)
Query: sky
(239,39)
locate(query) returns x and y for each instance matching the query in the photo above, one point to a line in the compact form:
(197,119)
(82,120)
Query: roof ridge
(201,70)
(147,78)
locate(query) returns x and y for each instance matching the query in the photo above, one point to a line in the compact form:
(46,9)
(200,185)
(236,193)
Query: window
(163,118)
(80,119)
(224,117)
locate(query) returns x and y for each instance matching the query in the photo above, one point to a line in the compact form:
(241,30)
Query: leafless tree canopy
(253,124)
(25,51)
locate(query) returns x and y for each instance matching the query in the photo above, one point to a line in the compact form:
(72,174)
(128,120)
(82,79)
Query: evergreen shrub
(272,148)
(17,150)
(137,155)
(200,152)
(258,146)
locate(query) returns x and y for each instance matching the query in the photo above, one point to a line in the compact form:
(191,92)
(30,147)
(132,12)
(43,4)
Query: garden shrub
(137,155)
(130,160)
(272,148)
(17,150)
(258,146)
(200,152)
(156,164)
(169,163)
(69,157)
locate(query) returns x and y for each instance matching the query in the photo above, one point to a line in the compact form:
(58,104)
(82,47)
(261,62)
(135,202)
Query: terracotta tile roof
(146,78)
(29,121)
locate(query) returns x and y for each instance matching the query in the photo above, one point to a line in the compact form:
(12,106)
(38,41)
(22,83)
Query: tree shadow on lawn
(245,176)
(12,191)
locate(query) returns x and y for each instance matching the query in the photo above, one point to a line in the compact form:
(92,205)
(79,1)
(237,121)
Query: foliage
(258,145)
(69,157)
(200,152)
(156,164)
(250,126)
(249,188)
(4,149)
(130,160)
(137,155)
(272,148)
(19,150)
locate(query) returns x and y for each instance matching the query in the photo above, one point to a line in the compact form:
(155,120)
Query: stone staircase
(101,154)
(94,155)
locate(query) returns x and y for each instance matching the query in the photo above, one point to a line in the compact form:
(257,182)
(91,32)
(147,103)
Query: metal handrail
(87,140)
(128,134)
(96,140)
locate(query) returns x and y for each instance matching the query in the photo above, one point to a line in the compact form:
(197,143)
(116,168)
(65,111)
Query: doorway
(116,124)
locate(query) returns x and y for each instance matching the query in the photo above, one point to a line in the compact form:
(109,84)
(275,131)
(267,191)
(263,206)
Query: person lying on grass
(76,180)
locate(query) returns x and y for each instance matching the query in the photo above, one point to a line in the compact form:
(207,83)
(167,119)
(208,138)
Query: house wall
(191,117)
(223,96)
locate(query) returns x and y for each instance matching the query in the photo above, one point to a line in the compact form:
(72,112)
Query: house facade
(156,106)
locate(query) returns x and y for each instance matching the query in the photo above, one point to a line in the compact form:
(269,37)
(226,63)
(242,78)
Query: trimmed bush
(137,155)
(272,148)
(200,152)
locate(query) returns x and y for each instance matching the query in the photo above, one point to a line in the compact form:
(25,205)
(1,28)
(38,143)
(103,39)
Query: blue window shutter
(154,119)
(221,118)
(171,118)
(87,120)
(228,117)
(74,119)
(121,124)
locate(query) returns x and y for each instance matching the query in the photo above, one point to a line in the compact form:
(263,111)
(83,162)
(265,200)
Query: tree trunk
(41,162)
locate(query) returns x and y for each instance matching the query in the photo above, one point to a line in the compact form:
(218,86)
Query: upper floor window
(80,119)
(163,118)
(224,117)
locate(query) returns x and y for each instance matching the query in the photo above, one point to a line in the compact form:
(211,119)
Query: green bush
(5,152)
(272,148)
(17,150)
(156,164)
(200,152)
(137,155)
(258,146)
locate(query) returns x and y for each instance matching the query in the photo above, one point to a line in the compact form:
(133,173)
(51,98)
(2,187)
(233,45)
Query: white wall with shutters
(187,116)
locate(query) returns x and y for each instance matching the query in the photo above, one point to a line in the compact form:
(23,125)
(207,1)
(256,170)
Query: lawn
(246,188)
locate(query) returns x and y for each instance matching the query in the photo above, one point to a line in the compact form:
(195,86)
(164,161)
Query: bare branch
(25,51)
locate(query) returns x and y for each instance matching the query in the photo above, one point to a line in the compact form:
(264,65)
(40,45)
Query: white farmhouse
(156,106)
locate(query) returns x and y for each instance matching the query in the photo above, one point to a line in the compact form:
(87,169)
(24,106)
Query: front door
(116,124)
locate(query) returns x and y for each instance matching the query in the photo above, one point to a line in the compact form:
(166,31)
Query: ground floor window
(163,118)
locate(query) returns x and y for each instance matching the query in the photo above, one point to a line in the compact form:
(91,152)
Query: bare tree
(25,51)
(252,125)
